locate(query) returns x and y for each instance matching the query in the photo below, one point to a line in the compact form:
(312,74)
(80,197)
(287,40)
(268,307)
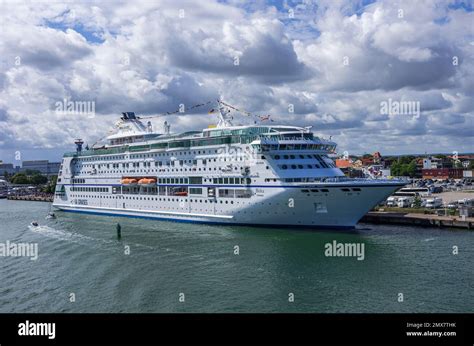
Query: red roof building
(442,173)
(342,163)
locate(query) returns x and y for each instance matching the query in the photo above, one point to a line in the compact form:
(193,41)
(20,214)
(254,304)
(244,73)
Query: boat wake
(64,235)
(78,238)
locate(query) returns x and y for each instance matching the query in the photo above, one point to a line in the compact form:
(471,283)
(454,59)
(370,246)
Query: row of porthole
(169,199)
(191,201)
(163,170)
(134,156)
(158,199)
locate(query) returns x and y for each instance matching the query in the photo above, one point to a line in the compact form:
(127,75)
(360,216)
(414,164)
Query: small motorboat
(34,224)
(50,215)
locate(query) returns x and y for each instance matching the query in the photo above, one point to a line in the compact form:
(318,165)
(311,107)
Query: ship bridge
(274,138)
(130,129)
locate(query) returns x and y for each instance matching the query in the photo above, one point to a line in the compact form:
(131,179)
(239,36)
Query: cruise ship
(267,175)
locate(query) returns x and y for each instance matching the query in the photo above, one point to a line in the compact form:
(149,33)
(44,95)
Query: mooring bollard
(119,231)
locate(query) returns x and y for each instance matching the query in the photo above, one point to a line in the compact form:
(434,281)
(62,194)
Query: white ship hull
(284,207)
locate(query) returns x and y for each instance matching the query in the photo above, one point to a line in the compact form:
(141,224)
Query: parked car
(392,201)
(466,202)
(435,202)
(452,205)
(405,202)
(436,189)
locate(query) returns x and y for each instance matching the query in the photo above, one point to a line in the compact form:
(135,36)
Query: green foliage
(417,202)
(404,167)
(51,185)
(406,159)
(35,179)
(20,178)
(38,179)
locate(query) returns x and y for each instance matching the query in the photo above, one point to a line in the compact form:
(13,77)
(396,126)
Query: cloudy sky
(326,64)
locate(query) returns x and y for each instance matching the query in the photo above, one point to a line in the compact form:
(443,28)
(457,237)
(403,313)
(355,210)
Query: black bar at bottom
(350,329)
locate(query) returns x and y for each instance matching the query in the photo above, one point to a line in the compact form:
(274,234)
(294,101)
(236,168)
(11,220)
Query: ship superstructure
(248,174)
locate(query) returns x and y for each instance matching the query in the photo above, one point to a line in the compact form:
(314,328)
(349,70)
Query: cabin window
(195,180)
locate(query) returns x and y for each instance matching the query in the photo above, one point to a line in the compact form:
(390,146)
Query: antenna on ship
(167,128)
(224,115)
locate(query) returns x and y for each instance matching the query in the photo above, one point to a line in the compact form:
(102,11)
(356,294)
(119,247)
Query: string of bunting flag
(260,117)
(211,111)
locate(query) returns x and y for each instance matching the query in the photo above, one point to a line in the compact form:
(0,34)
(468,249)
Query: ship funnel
(78,143)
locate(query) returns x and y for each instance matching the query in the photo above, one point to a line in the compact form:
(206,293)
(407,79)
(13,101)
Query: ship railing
(96,152)
(351,180)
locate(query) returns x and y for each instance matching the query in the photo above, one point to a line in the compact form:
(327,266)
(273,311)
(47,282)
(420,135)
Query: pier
(35,198)
(415,219)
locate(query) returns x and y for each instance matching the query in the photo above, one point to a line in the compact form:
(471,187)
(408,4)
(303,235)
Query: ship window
(195,191)
(284,167)
(293,166)
(356,189)
(300,166)
(324,190)
(277,157)
(346,190)
(285,157)
(195,180)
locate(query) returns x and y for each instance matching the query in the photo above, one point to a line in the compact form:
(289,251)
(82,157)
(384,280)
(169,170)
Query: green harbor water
(156,263)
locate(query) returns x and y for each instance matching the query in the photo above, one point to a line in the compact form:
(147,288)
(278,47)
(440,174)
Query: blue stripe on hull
(210,222)
(315,186)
